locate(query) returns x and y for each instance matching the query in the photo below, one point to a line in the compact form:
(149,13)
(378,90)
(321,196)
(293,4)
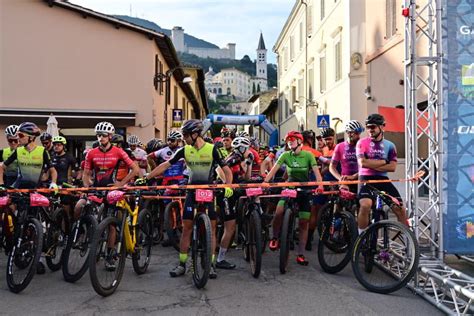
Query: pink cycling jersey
(345,155)
(370,149)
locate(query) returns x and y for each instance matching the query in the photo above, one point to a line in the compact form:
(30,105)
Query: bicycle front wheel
(56,238)
(107,257)
(338,233)
(286,236)
(173,224)
(141,256)
(254,243)
(392,252)
(201,250)
(25,255)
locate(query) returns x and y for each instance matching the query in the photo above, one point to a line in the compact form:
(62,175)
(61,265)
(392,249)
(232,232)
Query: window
(293,98)
(285,58)
(310,82)
(175,96)
(322,74)
(292,48)
(309,22)
(156,71)
(390,18)
(301,35)
(322,9)
(338,60)
(301,89)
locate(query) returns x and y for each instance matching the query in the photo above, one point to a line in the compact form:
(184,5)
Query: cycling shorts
(366,193)
(190,203)
(231,214)
(304,207)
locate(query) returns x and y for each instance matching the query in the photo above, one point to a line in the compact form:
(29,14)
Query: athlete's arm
(2,170)
(370,163)
(134,172)
(388,167)
(86,178)
(272,172)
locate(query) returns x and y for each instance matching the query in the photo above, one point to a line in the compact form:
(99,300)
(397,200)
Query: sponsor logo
(464,130)
(466,30)
(467,75)
(465,228)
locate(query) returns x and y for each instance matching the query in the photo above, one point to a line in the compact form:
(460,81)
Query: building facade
(320,64)
(108,75)
(177,36)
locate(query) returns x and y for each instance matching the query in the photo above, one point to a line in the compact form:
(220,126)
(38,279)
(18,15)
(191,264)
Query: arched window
(220,90)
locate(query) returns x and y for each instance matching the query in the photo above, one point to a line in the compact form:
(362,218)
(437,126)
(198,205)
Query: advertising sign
(458,127)
(177,117)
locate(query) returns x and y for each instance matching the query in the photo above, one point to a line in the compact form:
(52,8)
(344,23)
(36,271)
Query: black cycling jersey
(62,164)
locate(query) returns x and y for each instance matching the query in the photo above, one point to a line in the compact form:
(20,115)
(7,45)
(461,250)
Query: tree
(254,90)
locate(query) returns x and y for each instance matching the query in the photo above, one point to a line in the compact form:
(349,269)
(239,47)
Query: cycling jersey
(62,164)
(376,150)
(233,161)
(200,162)
(31,165)
(11,171)
(164,154)
(316,153)
(297,165)
(105,164)
(256,161)
(139,155)
(345,155)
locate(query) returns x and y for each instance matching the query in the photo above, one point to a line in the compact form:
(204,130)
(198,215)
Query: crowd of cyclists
(189,157)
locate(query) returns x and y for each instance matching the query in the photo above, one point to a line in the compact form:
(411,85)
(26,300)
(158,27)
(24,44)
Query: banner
(458,126)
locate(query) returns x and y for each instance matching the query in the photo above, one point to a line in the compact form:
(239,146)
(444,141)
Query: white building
(236,83)
(320,63)
(177,36)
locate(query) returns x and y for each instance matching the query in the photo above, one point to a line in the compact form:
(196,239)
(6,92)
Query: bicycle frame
(130,238)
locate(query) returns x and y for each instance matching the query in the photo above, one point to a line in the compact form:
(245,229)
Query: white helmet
(354,126)
(242,134)
(175,135)
(11,130)
(240,142)
(104,127)
(133,140)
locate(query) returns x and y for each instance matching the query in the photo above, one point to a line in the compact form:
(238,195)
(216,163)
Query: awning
(67,118)
(395,119)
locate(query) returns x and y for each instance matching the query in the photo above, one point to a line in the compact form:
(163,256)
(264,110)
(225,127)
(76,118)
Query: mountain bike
(386,255)
(125,231)
(76,253)
(337,231)
(22,237)
(173,220)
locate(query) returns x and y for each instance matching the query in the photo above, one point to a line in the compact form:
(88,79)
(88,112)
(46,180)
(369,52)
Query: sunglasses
(291,139)
(12,140)
(45,143)
(99,135)
(371,126)
(21,135)
(57,144)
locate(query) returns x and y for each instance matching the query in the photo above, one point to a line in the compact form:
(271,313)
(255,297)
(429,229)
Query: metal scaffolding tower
(450,290)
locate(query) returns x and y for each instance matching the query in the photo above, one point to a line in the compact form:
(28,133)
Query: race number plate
(37,199)
(4,200)
(254,191)
(289,193)
(115,196)
(204,195)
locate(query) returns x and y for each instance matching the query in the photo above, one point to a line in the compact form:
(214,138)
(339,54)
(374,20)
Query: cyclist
(345,156)
(47,142)
(254,148)
(12,139)
(63,162)
(201,158)
(309,137)
(33,161)
(376,156)
(152,146)
(298,165)
(228,136)
(138,154)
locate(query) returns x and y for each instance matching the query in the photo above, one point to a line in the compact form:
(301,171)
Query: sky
(216,21)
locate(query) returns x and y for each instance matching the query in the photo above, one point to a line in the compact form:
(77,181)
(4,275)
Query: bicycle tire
(173,230)
(245,239)
(285,240)
(383,256)
(154,207)
(201,249)
(99,248)
(335,249)
(56,239)
(144,242)
(79,240)
(254,243)
(31,235)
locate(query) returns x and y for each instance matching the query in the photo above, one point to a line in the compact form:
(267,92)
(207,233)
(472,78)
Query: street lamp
(166,78)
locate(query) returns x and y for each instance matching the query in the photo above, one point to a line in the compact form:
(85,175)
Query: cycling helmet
(254,142)
(375,119)
(11,130)
(241,142)
(175,135)
(327,132)
(153,145)
(29,128)
(192,126)
(208,139)
(46,136)
(308,134)
(294,134)
(133,140)
(59,139)
(104,127)
(217,139)
(117,139)
(226,132)
(242,134)
(354,126)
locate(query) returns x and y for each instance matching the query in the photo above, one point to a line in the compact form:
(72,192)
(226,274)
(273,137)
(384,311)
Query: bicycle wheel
(25,255)
(395,257)
(338,234)
(154,207)
(76,253)
(201,250)
(56,238)
(107,258)
(254,243)
(173,223)
(141,256)
(285,240)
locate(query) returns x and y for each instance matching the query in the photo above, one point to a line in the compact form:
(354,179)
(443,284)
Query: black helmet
(153,145)
(30,129)
(227,132)
(327,132)
(375,119)
(308,135)
(192,126)
(46,136)
(117,139)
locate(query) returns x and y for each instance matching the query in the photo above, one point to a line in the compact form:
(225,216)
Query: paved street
(302,291)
